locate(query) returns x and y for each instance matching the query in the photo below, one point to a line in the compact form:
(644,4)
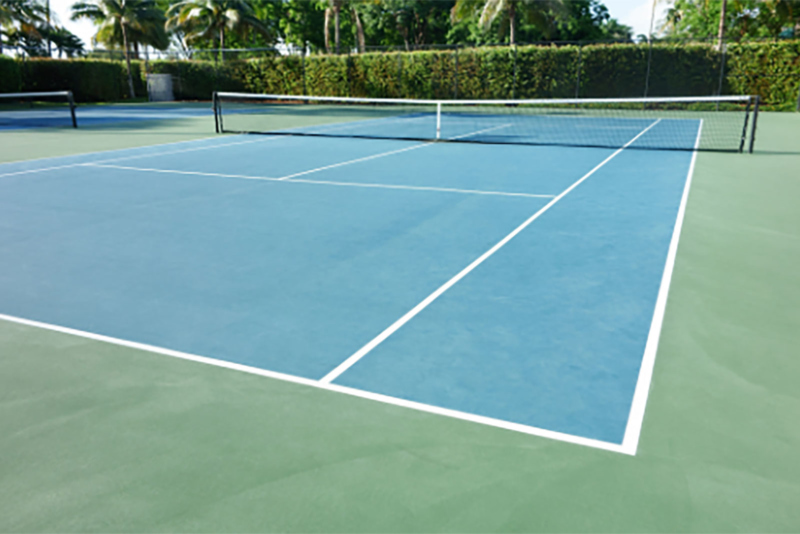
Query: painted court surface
(443,335)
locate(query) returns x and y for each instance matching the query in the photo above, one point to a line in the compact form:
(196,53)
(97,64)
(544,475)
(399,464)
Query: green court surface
(102,438)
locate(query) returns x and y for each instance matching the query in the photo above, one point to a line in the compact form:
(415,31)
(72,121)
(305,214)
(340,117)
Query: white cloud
(637,13)
(84,29)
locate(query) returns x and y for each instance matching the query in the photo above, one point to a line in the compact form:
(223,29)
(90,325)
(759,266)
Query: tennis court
(518,290)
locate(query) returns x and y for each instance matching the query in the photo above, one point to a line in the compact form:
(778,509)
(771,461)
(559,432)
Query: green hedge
(274,75)
(90,80)
(772,71)
(769,69)
(10,75)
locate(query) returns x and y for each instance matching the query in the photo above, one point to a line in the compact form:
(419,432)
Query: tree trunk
(49,50)
(512,19)
(721,31)
(327,31)
(221,45)
(128,59)
(336,25)
(362,41)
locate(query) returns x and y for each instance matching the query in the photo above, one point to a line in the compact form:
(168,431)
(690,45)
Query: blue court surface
(515,286)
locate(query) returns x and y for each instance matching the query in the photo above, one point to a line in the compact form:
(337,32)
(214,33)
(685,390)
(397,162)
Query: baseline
(385,399)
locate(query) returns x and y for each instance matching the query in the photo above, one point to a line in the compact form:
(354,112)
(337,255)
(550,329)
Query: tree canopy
(336,26)
(699,19)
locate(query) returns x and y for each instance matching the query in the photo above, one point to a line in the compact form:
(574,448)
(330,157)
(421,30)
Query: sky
(634,13)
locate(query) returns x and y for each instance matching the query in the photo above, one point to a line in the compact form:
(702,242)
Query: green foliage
(771,71)
(328,75)
(548,72)
(10,75)
(680,70)
(614,71)
(89,80)
(206,20)
(274,75)
(744,19)
(143,21)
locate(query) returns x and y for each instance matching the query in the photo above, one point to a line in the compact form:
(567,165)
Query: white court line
(478,132)
(633,429)
(189,173)
(350,162)
(421,188)
(324,182)
(366,349)
(385,399)
(193,149)
(375,156)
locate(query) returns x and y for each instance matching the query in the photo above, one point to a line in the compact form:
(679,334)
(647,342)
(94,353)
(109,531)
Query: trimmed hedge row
(10,76)
(771,70)
(90,80)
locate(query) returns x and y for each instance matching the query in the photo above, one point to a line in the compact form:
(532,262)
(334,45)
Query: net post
(755,120)
(215,104)
(71,101)
(743,138)
(438,120)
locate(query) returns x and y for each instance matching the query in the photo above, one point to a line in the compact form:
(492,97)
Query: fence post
(348,74)
(303,65)
(514,83)
(578,72)
(724,50)
(649,61)
(455,85)
(398,93)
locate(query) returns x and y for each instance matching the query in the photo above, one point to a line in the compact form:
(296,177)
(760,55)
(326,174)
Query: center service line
(366,349)
(382,154)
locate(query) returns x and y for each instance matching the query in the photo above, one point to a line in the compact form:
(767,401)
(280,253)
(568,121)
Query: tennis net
(37,110)
(725,123)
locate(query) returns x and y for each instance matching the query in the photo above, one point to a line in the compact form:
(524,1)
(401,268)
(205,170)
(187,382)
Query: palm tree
(536,12)
(19,17)
(123,22)
(66,42)
(208,19)
(721,30)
